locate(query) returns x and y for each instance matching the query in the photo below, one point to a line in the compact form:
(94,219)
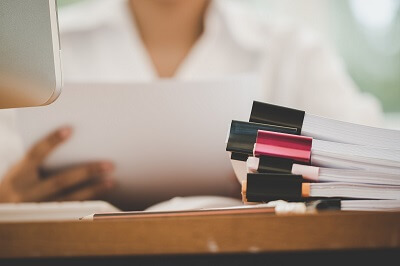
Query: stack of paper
(287,154)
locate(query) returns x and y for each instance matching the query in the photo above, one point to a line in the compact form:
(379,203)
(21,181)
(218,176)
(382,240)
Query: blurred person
(146,40)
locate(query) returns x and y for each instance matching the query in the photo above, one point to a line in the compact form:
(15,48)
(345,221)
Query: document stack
(288,154)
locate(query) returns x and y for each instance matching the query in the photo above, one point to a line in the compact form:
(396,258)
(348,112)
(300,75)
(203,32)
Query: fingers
(57,184)
(44,147)
(88,192)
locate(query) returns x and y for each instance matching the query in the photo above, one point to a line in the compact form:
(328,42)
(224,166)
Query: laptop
(30,59)
(166,138)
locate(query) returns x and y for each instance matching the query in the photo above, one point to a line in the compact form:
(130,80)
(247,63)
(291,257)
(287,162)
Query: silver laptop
(30,65)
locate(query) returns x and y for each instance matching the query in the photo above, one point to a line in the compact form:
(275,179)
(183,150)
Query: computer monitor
(30,54)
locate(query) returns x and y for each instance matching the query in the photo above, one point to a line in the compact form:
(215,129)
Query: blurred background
(366,34)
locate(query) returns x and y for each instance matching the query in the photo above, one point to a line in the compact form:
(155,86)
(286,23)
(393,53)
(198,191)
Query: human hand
(25,183)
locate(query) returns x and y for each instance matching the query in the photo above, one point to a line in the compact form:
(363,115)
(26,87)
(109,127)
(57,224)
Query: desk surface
(240,233)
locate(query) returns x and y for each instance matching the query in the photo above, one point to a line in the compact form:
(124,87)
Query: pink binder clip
(283,145)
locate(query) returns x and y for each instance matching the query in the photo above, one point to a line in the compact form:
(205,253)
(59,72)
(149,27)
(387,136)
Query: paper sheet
(166,138)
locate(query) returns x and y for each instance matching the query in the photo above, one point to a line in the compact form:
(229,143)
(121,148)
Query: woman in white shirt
(145,40)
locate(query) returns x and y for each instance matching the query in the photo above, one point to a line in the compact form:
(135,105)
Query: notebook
(52,211)
(166,138)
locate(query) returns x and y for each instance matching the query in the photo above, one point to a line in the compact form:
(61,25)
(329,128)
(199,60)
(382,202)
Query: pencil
(182,213)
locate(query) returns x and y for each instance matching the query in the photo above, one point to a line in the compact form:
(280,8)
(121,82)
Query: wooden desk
(363,232)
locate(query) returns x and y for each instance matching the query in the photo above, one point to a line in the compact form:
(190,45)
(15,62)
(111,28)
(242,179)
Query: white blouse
(100,43)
